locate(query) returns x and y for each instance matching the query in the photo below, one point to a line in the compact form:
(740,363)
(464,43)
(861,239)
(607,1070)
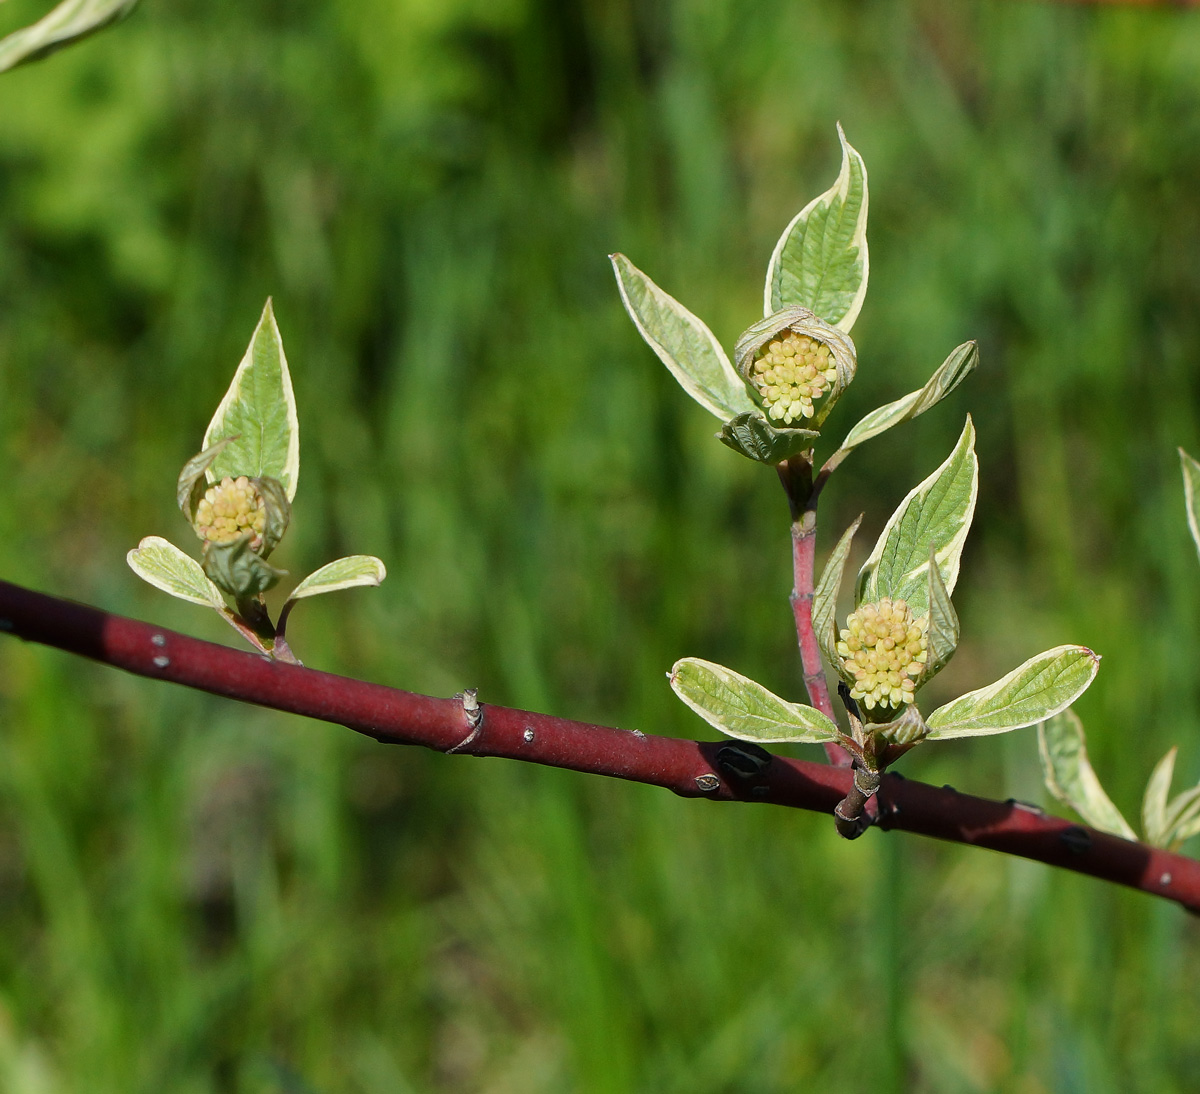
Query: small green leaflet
(343,573)
(741,708)
(1033,692)
(1186,819)
(166,567)
(1167,822)
(936,514)
(1155,825)
(752,436)
(260,410)
(1191,494)
(1069,776)
(943,632)
(238,570)
(824,607)
(956,368)
(190,488)
(821,261)
(68,22)
(683,343)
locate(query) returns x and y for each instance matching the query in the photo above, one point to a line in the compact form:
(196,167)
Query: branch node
(1076,840)
(473,713)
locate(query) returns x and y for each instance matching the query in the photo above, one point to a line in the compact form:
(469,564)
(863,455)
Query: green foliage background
(197,896)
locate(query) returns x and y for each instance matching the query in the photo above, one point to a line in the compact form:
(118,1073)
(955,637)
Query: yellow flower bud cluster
(789,373)
(884,649)
(229,509)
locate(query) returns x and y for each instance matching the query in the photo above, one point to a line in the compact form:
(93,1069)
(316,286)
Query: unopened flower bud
(229,509)
(795,365)
(883,651)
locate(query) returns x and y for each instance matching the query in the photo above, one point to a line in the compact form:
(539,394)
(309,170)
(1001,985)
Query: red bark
(689,768)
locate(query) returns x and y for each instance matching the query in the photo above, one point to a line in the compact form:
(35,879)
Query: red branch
(804,549)
(690,768)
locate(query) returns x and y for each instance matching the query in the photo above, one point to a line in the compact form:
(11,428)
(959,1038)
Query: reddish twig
(689,768)
(796,476)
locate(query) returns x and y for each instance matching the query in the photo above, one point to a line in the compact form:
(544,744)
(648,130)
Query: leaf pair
(742,708)
(1068,773)
(254,434)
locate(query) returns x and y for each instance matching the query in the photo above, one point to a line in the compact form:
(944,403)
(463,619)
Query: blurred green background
(199,896)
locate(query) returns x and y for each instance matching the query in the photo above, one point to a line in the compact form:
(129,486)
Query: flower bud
(795,366)
(229,509)
(883,651)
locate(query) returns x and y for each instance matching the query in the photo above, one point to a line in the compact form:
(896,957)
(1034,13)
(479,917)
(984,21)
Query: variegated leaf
(166,567)
(739,707)
(935,515)
(1031,693)
(1069,776)
(948,376)
(259,410)
(683,343)
(825,595)
(68,22)
(821,260)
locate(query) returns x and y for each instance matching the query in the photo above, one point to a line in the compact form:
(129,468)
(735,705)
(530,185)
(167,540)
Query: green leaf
(68,22)
(752,436)
(189,490)
(278,513)
(234,567)
(166,567)
(683,343)
(259,409)
(1035,691)
(824,607)
(343,573)
(949,375)
(943,632)
(936,514)
(820,261)
(741,708)
(1155,826)
(1191,494)
(1069,776)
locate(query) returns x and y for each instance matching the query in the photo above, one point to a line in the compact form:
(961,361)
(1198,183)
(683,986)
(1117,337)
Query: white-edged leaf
(948,376)
(1155,825)
(943,632)
(260,409)
(821,260)
(166,567)
(1069,776)
(935,515)
(68,22)
(1033,692)
(741,708)
(1191,494)
(683,343)
(825,595)
(1187,822)
(342,573)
